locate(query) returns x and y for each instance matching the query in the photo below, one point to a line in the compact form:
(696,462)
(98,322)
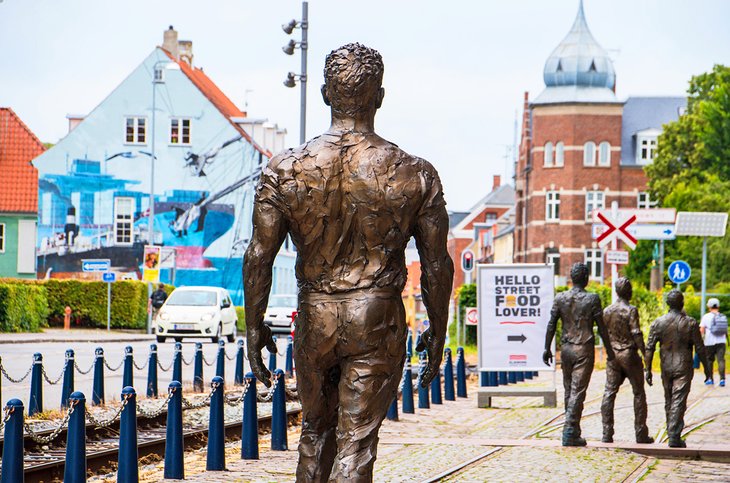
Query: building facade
(581,149)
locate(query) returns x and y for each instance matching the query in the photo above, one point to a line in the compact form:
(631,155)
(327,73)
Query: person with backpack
(714,330)
(157,299)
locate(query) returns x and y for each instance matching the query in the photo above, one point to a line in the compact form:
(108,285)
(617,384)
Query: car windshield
(200,298)
(283,301)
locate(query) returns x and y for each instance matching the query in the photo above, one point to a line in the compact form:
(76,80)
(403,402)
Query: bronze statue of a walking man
(578,310)
(350,201)
(676,333)
(627,342)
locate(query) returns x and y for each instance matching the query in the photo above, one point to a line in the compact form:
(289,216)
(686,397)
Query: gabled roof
(502,196)
(455,217)
(18,147)
(216,96)
(646,113)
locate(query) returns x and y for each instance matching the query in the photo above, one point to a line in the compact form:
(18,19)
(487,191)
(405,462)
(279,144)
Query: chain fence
(58,379)
(205,402)
(163,369)
(188,362)
(76,365)
(270,394)
(231,358)
(16,380)
(205,361)
(153,414)
(108,422)
(8,411)
(235,400)
(113,369)
(50,437)
(142,367)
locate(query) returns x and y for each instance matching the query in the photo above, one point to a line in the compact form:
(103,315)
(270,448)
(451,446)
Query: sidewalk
(74,335)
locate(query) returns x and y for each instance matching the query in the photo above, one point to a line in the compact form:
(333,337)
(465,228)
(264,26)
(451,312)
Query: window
(589,154)
(559,154)
(179,131)
(595,200)
(644,200)
(548,154)
(2,237)
(123,209)
(491,218)
(594,260)
(604,154)
(647,149)
(553,257)
(552,206)
(136,130)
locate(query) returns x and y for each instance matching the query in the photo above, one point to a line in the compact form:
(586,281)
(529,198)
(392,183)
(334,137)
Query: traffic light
(467,260)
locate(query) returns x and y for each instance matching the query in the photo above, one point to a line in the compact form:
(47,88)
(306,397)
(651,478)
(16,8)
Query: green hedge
(23,307)
(241,323)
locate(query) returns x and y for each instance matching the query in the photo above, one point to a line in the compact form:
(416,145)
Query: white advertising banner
(514,303)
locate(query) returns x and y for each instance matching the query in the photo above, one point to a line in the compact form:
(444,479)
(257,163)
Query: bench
(485,394)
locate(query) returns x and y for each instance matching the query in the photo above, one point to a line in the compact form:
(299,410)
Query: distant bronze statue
(676,333)
(578,310)
(350,201)
(627,342)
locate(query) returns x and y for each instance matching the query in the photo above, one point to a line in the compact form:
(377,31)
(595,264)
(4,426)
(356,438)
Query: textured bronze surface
(676,333)
(627,341)
(350,200)
(578,310)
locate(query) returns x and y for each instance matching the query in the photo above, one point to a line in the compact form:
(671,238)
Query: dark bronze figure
(627,342)
(578,310)
(676,333)
(350,201)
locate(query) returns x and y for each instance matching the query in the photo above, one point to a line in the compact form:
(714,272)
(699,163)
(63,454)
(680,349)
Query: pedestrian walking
(157,299)
(713,327)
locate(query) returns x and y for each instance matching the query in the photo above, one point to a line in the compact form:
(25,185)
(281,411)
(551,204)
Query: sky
(455,72)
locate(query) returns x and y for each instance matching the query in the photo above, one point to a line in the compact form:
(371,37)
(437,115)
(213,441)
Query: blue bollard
(152,372)
(409,341)
(12,462)
(75,467)
(483,378)
(278,413)
(174,437)
(492,380)
(535,374)
(392,413)
(448,376)
(520,376)
(272,358)
(289,366)
(216,459)
(512,377)
(250,429)
(97,392)
(220,363)
(238,381)
(128,471)
(436,389)
(502,378)
(128,376)
(198,368)
(407,392)
(460,373)
(68,378)
(423,402)
(177,363)
(528,375)
(35,404)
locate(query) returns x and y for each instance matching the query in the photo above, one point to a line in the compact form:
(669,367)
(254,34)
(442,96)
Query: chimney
(169,42)
(495,183)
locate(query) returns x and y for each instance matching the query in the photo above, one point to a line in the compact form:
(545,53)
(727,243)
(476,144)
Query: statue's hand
(258,339)
(547,357)
(648,377)
(434,346)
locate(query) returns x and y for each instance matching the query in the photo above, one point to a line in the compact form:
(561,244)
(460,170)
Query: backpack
(719,324)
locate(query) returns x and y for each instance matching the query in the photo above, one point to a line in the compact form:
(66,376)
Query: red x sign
(616,232)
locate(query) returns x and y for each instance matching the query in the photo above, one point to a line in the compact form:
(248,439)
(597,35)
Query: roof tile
(18,147)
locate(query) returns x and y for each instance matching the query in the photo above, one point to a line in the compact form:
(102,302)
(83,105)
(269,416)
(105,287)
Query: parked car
(280,313)
(197,312)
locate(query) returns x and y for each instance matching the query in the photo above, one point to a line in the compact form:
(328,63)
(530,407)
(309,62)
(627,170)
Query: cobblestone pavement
(445,438)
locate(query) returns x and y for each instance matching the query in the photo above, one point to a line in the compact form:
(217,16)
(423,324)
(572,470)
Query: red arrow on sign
(616,232)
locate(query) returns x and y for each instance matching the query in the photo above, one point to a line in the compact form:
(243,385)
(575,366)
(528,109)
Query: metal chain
(47,439)
(113,419)
(233,401)
(76,365)
(153,414)
(270,394)
(139,368)
(205,361)
(13,380)
(186,363)
(53,383)
(113,369)
(159,364)
(205,402)
(231,358)
(8,411)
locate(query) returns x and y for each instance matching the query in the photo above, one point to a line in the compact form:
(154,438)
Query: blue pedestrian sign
(679,271)
(96,265)
(109,277)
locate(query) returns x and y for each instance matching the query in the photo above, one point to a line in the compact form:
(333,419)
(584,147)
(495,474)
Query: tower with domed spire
(581,149)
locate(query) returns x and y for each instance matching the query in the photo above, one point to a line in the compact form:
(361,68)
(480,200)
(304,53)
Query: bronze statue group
(618,325)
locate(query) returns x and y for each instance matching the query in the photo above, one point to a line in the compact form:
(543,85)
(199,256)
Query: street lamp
(288,49)
(158,77)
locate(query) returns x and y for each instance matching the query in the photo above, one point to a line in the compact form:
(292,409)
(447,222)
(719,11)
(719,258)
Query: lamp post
(302,76)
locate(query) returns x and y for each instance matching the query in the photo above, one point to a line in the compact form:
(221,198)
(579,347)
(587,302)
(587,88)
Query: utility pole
(302,76)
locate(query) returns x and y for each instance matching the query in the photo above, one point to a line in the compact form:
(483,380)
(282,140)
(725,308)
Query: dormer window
(646,145)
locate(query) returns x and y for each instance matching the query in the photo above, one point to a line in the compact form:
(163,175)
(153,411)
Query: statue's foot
(677,443)
(607,439)
(574,442)
(644,439)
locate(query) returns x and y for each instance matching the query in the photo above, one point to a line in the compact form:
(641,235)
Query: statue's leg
(582,370)
(614,378)
(567,358)
(318,375)
(680,391)
(667,385)
(372,344)
(634,369)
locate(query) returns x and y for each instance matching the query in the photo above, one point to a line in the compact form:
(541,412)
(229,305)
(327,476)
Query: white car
(281,312)
(197,312)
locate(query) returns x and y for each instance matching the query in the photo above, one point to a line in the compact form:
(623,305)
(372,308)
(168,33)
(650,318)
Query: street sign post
(96,265)
(472,316)
(109,278)
(617,224)
(662,231)
(618,257)
(679,272)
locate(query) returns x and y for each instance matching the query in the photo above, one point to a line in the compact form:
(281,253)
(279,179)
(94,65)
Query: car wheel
(232,336)
(161,339)
(218,334)
(178,339)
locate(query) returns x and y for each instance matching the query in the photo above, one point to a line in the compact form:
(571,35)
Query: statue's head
(353,77)
(579,274)
(675,300)
(623,288)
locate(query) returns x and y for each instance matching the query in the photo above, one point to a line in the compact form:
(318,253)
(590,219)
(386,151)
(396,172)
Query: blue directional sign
(96,265)
(679,271)
(109,277)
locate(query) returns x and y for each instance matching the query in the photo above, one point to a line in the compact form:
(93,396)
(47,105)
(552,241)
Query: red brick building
(581,149)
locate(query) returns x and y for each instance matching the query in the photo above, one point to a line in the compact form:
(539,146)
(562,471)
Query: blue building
(95,183)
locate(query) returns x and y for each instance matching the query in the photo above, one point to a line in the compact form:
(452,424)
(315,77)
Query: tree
(691,172)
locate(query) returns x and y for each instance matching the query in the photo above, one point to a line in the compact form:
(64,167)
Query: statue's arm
(650,348)
(547,356)
(602,329)
(700,347)
(635,329)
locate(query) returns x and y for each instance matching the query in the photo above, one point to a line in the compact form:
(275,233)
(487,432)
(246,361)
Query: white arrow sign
(641,232)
